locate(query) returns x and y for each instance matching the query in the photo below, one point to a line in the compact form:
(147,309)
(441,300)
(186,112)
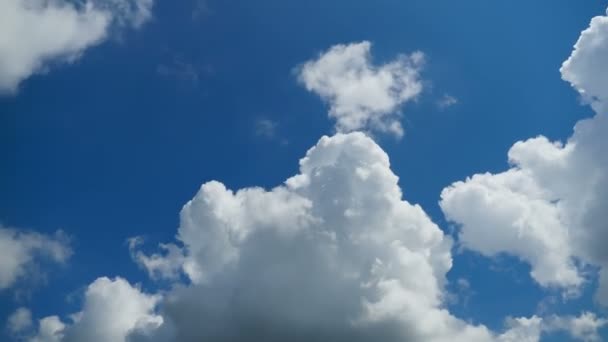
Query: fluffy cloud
(19,321)
(333,254)
(583,328)
(586,69)
(113,309)
(22,251)
(361,95)
(50,329)
(34,34)
(549,209)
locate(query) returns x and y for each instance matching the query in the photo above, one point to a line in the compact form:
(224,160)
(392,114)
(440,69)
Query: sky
(231,170)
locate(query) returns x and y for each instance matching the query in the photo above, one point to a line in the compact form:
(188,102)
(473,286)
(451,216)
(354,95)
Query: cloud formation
(336,253)
(23,251)
(112,310)
(19,321)
(361,95)
(549,209)
(333,254)
(36,34)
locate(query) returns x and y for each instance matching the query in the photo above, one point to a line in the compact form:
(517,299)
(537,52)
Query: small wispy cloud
(447,101)
(266,128)
(182,70)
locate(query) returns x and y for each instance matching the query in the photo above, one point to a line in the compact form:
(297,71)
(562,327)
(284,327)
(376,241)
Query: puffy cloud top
(113,309)
(549,209)
(586,68)
(361,95)
(333,254)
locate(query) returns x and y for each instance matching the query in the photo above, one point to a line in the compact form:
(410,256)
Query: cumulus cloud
(361,95)
(333,254)
(22,251)
(586,69)
(549,209)
(112,310)
(19,321)
(584,328)
(35,34)
(50,329)
(336,254)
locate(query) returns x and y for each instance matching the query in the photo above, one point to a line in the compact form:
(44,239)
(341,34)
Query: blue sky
(112,144)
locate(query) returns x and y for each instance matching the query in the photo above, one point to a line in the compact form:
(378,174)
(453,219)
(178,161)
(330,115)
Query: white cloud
(586,68)
(549,209)
(447,101)
(266,128)
(22,251)
(35,34)
(50,329)
(334,254)
(361,95)
(583,328)
(19,321)
(159,266)
(113,309)
(523,330)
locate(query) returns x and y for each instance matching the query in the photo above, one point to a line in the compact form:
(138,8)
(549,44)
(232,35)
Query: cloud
(447,101)
(266,128)
(19,321)
(158,266)
(583,328)
(333,254)
(37,34)
(361,95)
(181,70)
(336,253)
(549,209)
(50,329)
(586,69)
(113,309)
(21,252)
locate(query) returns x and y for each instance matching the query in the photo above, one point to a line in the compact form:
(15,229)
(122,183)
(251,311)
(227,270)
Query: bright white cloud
(113,309)
(35,34)
(586,68)
(21,252)
(334,254)
(50,329)
(549,209)
(361,95)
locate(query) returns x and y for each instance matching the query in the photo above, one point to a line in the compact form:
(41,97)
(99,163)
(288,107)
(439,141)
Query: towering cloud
(35,34)
(550,208)
(333,254)
(361,95)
